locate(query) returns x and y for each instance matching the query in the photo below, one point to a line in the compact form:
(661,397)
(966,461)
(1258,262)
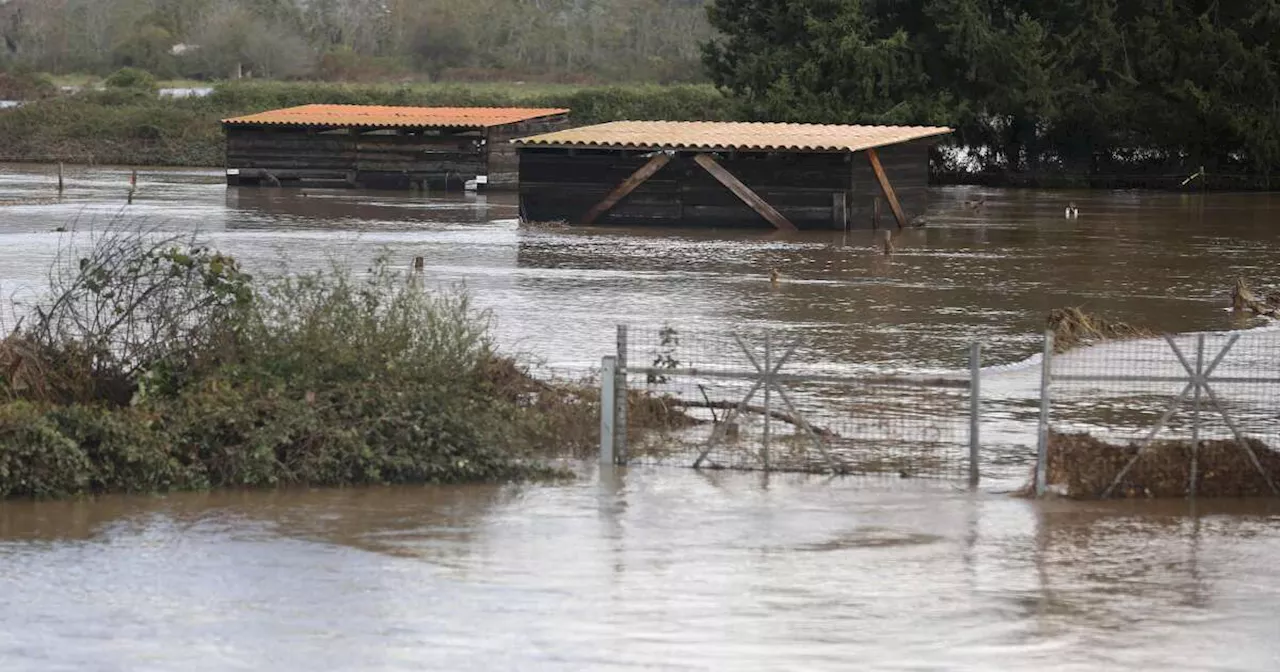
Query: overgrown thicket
(1080,86)
(155,363)
(133,126)
(546,40)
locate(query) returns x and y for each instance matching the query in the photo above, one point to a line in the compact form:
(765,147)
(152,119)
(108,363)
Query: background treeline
(1034,86)
(1084,92)
(564,40)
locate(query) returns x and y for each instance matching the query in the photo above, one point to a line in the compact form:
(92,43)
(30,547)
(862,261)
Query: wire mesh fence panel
(756,400)
(566,401)
(1188,414)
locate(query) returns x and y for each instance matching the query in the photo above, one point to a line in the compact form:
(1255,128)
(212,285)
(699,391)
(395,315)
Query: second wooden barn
(790,176)
(381,147)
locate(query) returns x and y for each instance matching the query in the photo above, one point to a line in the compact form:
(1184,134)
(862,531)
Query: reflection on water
(666,569)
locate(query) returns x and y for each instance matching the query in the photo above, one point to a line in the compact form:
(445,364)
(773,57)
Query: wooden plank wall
(556,186)
(907,166)
(503,160)
(290,153)
(444,161)
(396,160)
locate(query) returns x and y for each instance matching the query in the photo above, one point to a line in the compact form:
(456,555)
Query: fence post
(768,396)
(620,399)
(608,407)
(975,412)
(1042,436)
(1195,417)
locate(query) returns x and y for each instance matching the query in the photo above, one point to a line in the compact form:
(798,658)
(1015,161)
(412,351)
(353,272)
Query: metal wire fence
(1164,416)
(1190,412)
(758,400)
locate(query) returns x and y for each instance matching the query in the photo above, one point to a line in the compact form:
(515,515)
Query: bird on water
(773,277)
(1072,211)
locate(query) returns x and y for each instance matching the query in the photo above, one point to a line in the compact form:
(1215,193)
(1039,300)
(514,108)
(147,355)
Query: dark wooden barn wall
(806,188)
(398,160)
(503,161)
(907,166)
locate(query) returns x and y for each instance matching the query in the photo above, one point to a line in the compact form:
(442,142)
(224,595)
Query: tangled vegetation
(1084,467)
(157,364)
(360,40)
(1073,328)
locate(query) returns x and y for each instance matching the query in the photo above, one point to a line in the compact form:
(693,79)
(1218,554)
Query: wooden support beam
(626,187)
(744,192)
(887,188)
(839,211)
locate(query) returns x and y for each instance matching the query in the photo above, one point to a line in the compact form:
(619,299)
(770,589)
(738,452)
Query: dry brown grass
(23,372)
(1087,466)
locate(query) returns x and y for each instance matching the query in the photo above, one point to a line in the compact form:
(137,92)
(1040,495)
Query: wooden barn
(382,147)
(790,176)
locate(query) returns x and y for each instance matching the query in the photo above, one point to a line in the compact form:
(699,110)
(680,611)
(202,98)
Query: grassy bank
(138,128)
(155,364)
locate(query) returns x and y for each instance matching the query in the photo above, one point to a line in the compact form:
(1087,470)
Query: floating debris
(1073,328)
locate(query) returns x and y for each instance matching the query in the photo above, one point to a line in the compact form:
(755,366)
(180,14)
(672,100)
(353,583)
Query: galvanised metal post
(620,399)
(1042,436)
(1195,417)
(608,408)
(975,411)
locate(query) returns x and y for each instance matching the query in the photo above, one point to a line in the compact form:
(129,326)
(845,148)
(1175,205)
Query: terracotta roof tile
(714,135)
(377,116)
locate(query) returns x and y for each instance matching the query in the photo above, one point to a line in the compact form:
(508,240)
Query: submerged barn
(790,176)
(382,147)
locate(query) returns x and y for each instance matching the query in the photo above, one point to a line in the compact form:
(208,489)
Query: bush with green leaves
(157,365)
(135,79)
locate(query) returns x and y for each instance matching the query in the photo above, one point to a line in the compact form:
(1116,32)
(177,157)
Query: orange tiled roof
(378,116)
(715,135)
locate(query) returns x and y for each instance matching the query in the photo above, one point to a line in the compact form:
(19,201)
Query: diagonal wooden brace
(744,192)
(626,187)
(889,194)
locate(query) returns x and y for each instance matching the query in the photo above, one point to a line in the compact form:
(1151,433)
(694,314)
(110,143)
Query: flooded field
(668,568)
(1164,261)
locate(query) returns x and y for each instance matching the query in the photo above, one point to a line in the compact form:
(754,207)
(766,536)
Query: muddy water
(1165,261)
(665,569)
(643,570)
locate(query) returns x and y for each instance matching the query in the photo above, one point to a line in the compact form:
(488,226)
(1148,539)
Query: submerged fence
(756,402)
(1192,414)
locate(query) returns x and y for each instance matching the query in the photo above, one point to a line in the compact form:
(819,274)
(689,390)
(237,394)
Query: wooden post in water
(133,184)
(60,185)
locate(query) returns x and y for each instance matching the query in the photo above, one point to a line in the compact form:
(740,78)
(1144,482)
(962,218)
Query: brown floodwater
(648,569)
(668,568)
